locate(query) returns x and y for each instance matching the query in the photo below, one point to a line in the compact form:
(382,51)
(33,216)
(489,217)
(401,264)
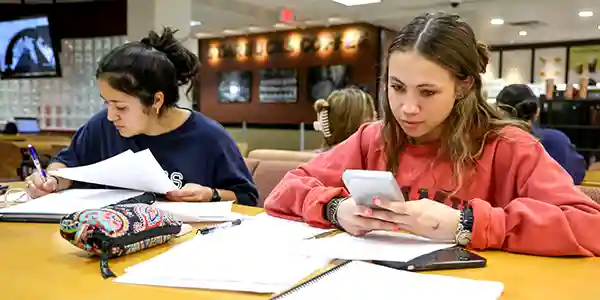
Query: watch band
(467,219)
(215,196)
(465,227)
(57,181)
(330,211)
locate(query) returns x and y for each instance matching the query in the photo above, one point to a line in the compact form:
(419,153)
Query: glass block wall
(60,104)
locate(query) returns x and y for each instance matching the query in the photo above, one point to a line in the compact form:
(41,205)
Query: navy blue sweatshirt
(558,145)
(199,151)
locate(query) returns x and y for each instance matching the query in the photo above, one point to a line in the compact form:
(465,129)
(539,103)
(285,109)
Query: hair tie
(322,123)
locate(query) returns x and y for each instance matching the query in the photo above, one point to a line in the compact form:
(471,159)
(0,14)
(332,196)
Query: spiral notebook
(362,280)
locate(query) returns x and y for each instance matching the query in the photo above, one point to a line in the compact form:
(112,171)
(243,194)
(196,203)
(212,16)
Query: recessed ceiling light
(255,29)
(497,22)
(282,26)
(598,26)
(195,23)
(586,13)
(338,21)
(231,31)
(356,2)
(201,35)
(522,33)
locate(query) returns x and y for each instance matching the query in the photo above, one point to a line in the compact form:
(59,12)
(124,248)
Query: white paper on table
(240,258)
(68,201)
(361,280)
(136,171)
(200,211)
(377,245)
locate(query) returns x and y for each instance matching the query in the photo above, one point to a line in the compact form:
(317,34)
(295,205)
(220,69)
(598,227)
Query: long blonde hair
(450,42)
(342,113)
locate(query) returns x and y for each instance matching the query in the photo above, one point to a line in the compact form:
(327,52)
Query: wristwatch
(464,232)
(215,196)
(330,211)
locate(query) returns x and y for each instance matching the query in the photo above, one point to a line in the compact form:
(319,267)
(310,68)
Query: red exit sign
(286,16)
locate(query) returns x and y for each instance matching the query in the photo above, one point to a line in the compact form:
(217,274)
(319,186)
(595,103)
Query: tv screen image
(235,86)
(322,80)
(278,85)
(26,49)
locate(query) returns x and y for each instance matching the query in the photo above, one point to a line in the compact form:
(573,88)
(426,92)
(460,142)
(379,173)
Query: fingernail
(396,228)
(369,211)
(374,200)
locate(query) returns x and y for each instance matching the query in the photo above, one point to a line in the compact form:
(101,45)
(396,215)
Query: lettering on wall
(292,44)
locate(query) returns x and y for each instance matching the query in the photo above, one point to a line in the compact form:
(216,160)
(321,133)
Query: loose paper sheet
(361,280)
(377,245)
(136,171)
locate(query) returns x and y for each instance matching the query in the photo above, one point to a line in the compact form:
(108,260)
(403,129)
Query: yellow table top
(38,264)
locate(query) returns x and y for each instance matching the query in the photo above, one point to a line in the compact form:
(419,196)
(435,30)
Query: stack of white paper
(69,201)
(72,200)
(200,211)
(361,280)
(136,171)
(241,258)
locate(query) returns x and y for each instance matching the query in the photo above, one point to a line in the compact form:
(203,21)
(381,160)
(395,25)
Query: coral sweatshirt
(523,201)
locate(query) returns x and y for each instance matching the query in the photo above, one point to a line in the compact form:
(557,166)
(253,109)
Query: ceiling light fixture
(195,23)
(497,22)
(356,2)
(522,33)
(586,13)
(598,26)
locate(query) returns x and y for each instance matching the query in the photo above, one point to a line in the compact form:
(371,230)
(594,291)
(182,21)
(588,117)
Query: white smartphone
(363,185)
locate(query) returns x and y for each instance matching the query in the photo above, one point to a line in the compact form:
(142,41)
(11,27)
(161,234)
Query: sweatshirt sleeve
(303,192)
(549,216)
(558,145)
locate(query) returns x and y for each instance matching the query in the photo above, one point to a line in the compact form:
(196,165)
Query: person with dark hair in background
(519,101)
(139,82)
(469,174)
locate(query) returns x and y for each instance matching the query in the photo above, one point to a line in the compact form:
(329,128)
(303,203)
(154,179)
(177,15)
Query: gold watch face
(463,238)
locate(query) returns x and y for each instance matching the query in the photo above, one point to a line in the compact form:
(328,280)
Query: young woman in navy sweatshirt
(520,101)
(139,82)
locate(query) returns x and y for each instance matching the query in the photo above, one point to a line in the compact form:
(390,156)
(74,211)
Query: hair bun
(320,105)
(186,63)
(527,109)
(484,56)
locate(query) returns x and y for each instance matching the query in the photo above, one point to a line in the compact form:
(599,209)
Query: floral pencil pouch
(119,229)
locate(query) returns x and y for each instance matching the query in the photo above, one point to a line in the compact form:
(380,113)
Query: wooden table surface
(41,142)
(36,263)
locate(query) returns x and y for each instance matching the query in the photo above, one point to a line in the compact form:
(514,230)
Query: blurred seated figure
(10,128)
(519,101)
(341,114)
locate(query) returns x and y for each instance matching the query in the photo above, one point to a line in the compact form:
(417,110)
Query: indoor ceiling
(542,20)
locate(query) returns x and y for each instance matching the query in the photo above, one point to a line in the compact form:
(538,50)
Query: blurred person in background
(519,101)
(341,114)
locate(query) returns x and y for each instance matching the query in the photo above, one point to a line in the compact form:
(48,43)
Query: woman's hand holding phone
(355,219)
(423,217)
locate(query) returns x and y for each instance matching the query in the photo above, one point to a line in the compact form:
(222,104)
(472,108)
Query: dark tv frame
(348,77)
(56,47)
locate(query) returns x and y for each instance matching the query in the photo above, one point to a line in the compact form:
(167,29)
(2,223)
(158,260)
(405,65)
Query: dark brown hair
(158,63)
(449,41)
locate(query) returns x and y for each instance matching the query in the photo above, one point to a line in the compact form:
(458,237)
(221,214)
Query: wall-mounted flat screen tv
(322,80)
(27,49)
(278,86)
(235,86)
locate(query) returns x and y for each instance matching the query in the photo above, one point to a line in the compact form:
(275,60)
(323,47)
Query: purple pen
(36,161)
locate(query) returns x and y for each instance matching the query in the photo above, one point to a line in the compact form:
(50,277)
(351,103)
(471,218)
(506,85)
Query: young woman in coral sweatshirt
(472,175)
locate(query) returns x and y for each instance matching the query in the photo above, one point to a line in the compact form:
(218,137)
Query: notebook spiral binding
(309,282)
